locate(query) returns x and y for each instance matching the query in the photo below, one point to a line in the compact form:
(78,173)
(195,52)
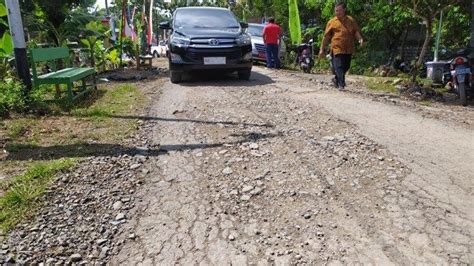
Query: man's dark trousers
(273,61)
(340,65)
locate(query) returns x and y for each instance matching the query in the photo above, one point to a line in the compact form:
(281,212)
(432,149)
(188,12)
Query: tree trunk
(426,43)
(472,25)
(137,56)
(92,56)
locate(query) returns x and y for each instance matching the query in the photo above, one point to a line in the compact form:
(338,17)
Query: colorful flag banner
(294,22)
(150,24)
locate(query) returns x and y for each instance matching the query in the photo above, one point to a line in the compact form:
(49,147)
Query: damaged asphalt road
(317,186)
(279,170)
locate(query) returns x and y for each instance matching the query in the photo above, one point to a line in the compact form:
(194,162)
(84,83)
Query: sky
(101,3)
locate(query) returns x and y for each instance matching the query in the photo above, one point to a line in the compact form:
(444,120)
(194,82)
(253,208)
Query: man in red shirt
(271,38)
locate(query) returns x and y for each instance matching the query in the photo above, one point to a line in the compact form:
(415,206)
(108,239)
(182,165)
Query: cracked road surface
(281,170)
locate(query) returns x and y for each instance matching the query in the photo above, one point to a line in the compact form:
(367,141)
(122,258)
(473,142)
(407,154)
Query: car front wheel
(175,77)
(244,74)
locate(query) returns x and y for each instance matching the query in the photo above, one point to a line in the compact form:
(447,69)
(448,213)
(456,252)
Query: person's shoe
(334,82)
(341,88)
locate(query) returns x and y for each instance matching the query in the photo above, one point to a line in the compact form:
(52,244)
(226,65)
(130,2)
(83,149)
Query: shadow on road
(102,149)
(222,79)
(154,118)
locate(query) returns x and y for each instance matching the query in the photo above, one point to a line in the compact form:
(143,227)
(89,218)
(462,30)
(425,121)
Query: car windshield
(205,18)
(256,30)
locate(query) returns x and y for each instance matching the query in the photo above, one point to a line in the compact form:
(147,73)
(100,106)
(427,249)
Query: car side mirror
(244,25)
(165,25)
(311,41)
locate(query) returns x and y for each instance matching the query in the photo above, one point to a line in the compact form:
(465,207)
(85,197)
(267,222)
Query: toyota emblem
(213,42)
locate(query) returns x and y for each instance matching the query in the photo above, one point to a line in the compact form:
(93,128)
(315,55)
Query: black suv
(208,38)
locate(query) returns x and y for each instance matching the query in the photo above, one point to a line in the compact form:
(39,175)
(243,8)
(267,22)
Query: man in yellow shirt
(342,31)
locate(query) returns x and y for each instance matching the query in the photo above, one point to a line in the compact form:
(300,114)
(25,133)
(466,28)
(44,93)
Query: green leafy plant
(11,97)
(128,47)
(100,55)
(92,33)
(112,57)
(6,45)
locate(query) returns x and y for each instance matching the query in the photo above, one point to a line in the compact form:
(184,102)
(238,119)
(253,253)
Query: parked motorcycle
(305,56)
(462,74)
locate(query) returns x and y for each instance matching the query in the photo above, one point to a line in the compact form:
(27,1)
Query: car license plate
(214,60)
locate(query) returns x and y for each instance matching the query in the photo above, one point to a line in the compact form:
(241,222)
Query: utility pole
(107,7)
(16,30)
(438,35)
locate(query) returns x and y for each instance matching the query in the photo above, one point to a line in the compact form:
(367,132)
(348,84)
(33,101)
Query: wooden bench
(146,61)
(67,75)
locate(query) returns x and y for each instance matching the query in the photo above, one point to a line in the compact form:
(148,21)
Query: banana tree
(68,30)
(6,44)
(91,34)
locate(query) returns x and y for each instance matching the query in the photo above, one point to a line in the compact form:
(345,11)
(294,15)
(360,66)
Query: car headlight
(243,39)
(180,41)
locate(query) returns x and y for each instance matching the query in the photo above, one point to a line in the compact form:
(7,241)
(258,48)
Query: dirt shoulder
(103,143)
(446,110)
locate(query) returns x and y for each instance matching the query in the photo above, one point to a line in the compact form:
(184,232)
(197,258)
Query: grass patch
(21,194)
(112,116)
(106,117)
(381,85)
(16,130)
(425,102)
(120,100)
(19,128)
(91,112)
(91,120)
(442,90)
(425,81)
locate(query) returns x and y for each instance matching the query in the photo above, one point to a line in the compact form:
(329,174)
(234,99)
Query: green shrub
(363,60)
(128,47)
(321,64)
(289,60)
(12,97)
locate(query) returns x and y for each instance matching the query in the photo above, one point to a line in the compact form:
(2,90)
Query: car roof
(257,24)
(200,7)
